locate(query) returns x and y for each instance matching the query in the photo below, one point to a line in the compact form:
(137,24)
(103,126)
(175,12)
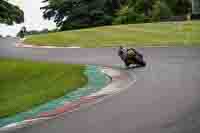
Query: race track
(164,99)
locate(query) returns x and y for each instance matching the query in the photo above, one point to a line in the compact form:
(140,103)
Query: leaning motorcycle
(133,58)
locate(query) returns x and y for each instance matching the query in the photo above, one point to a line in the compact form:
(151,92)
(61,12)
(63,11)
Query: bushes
(161,11)
(129,15)
(75,14)
(91,19)
(151,10)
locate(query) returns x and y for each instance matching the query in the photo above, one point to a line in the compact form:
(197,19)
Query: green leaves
(10,14)
(161,11)
(151,10)
(72,14)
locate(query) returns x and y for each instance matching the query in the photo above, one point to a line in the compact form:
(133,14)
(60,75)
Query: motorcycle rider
(22,32)
(130,56)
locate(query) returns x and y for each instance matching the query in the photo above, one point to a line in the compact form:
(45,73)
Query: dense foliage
(73,14)
(70,14)
(10,14)
(151,10)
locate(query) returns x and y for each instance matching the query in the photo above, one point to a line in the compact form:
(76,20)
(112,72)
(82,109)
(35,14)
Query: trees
(160,11)
(179,7)
(182,7)
(10,14)
(72,14)
(151,10)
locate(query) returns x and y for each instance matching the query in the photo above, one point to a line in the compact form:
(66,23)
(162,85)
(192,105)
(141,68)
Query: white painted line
(113,87)
(22,39)
(21,124)
(21,45)
(156,46)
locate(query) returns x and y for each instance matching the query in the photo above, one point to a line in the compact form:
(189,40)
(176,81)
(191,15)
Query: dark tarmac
(164,99)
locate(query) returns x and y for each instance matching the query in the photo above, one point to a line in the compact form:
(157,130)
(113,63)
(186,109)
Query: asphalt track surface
(164,99)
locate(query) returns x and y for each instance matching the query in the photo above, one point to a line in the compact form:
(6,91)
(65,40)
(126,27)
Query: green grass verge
(168,33)
(25,84)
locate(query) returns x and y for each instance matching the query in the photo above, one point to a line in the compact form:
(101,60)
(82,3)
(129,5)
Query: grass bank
(156,34)
(25,84)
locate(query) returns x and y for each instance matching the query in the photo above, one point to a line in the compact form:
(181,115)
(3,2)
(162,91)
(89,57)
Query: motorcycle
(131,57)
